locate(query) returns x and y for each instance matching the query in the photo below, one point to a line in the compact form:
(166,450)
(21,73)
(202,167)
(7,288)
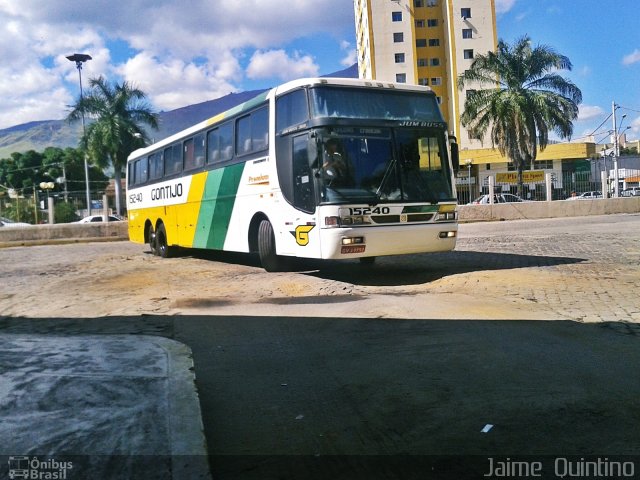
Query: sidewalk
(99,406)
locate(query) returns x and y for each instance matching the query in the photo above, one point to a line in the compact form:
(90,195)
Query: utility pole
(616,150)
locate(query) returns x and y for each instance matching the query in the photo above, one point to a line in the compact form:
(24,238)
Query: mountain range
(58,133)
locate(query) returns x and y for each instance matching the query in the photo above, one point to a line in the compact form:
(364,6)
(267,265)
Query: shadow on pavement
(397,270)
(378,398)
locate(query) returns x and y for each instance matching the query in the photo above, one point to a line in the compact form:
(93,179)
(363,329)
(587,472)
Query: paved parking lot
(583,269)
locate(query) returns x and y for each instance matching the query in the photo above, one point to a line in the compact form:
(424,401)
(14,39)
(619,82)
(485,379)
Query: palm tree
(524,101)
(116,114)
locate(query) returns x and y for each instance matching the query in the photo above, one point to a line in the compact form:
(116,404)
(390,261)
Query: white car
(5,222)
(99,218)
(587,196)
(631,192)
(497,198)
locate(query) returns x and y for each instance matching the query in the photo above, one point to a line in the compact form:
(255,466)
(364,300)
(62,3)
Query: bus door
(306,233)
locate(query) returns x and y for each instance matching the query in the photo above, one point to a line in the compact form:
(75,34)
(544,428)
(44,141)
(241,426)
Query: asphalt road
(326,390)
(352,392)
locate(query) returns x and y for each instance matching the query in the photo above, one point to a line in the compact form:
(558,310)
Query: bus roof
(276,91)
(347,82)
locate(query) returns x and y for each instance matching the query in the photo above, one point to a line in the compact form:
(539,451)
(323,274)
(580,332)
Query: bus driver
(334,166)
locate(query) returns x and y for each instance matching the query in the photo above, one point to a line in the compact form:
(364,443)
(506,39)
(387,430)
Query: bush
(65,213)
(20,210)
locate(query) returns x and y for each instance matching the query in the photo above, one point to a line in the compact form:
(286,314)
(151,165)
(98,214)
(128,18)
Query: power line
(630,109)
(603,122)
(33,168)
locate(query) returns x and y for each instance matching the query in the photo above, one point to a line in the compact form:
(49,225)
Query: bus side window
(198,147)
(132,178)
(243,135)
(173,159)
(225,132)
(213,146)
(260,129)
(291,109)
(252,132)
(141,170)
(189,158)
(176,154)
(155,166)
(194,152)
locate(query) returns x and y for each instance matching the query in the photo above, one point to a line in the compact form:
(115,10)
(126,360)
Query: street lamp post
(46,186)
(79,58)
(468,163)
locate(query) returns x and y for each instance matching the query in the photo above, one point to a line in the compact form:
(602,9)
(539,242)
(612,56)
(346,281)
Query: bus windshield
(389,165)
(370,104)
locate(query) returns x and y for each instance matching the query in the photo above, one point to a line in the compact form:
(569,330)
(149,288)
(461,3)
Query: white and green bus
(322,168)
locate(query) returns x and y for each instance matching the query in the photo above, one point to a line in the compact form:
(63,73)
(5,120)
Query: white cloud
(351,54)
(503,6)
(161,80)
(635,126)
(585,71)
(277,64)
(182,52)
(588,112)
(632,58)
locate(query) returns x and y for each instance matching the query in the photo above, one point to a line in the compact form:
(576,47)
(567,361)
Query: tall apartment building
(425,42)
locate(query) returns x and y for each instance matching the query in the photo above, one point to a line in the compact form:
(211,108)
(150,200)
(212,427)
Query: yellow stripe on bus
(187,213)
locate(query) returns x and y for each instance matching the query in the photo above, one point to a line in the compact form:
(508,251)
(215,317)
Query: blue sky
(182,53)
(602,40)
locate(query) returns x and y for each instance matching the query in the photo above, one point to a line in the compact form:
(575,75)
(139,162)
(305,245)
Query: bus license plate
(353,248)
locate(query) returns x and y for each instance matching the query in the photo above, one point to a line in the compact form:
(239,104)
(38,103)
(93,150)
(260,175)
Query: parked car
(630,192)
(99,218)
(586,196)
(497,198)
(5,222)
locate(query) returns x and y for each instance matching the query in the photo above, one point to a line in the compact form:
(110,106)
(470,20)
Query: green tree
(20,210)
(118,113)
(523,101)
(21,171)
(58,163)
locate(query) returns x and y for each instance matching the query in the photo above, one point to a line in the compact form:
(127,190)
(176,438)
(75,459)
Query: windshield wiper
(385,176)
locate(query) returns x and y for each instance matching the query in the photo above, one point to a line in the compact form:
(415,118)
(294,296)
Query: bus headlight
(450,234)
(352,240)
(446,217)
(446,213)
(346,221)
(331,221)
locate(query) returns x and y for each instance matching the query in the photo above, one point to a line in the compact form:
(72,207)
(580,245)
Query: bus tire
(267,248)
(152,241)
(162,246)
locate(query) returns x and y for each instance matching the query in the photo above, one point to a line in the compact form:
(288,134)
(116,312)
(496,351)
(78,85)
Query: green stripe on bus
(218,199)
(420,208)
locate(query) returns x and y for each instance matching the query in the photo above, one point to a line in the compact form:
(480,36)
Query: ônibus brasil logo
(37,469)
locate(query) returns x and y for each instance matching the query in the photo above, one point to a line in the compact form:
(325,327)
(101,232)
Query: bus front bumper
(355,242)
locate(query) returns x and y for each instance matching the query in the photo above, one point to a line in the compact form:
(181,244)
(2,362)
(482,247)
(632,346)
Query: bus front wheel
(162,247)
(267,248)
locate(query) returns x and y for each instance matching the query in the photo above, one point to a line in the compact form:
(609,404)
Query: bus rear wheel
(267,248)
(162,247)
